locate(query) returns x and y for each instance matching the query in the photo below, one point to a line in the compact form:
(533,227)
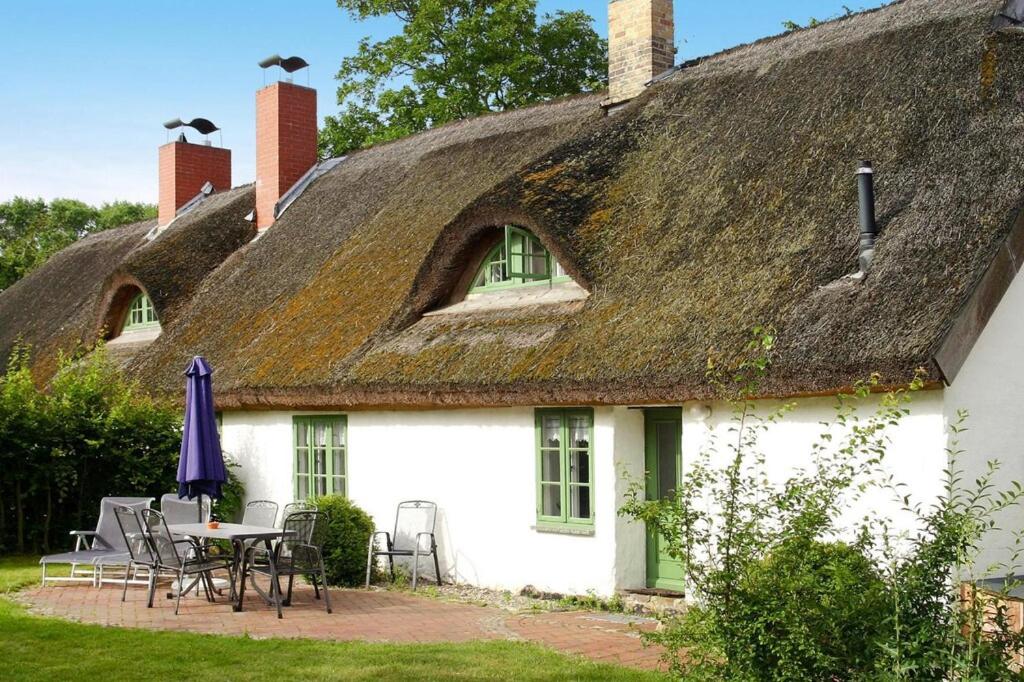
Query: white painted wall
(990,386)
(916,454)
(478,465)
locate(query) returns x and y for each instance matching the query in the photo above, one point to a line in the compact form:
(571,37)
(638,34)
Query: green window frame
(141,314)
(565,468)
(320,461)
(519,259)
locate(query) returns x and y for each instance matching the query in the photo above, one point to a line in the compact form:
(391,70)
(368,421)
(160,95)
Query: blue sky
(87,85)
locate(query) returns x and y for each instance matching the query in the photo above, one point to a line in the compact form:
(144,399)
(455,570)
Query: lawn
(39,648)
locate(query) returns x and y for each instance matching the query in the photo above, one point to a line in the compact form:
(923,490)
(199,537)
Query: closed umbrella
(201,469)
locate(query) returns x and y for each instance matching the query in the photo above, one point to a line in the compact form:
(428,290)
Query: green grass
(39,648)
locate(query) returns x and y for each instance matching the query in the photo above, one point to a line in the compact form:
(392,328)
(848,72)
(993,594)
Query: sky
(87,86)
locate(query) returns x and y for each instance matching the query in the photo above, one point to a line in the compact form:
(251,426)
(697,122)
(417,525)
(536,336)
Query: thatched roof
(722,198)
(72,299)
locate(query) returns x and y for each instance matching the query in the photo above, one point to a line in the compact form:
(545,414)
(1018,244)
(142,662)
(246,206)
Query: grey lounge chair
(104,546)
(414,523)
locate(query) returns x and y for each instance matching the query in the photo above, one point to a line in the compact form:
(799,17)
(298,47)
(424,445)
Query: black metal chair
(192,560)
(299,552)
(258,554)
(414,521)
(139,551)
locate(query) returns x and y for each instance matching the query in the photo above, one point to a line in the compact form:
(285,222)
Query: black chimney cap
(289,64)
(203,126)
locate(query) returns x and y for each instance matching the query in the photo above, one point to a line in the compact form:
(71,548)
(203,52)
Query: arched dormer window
(141,314)
(518,259)
(126,313)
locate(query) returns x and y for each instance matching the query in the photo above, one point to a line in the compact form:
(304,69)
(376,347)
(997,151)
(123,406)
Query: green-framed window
(321,457)
(519,259)
(141,314)
(565,467)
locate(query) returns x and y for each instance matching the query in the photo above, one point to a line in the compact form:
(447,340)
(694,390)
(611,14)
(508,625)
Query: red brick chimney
(184,169)
(286,130)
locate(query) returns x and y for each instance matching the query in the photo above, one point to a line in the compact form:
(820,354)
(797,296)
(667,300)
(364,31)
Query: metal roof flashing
(296,190)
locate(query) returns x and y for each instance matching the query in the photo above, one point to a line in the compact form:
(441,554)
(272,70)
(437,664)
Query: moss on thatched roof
(722,198)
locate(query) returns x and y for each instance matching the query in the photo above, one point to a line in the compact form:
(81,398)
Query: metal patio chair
(300,505)
(289,509)
(299,553)
(183,558)
(105,544)
(139,550)
(177,510)
(414,522)
(260,513)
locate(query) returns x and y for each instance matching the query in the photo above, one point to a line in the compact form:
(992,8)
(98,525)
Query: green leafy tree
(32,230)
(123,213)
(455,59)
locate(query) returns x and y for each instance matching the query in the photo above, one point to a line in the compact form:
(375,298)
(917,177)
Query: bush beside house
(347,540)
(90,434)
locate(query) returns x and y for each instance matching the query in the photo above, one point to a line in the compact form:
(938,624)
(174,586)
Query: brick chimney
(641,45)
(286,131)
(184,169)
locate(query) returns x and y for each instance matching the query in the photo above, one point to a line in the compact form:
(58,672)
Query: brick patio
(372,616)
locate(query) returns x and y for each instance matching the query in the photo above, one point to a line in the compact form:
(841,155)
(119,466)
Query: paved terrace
(371,616)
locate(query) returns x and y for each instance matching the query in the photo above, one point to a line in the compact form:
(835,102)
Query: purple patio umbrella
(201,468)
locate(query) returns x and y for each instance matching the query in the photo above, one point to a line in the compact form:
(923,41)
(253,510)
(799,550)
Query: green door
(663,439)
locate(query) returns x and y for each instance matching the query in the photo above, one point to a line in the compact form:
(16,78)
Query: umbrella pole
(200,507)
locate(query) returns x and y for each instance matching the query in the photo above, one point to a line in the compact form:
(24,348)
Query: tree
(455,59)
(32,230)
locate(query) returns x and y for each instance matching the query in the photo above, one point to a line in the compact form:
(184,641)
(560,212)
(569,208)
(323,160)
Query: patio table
(236,534)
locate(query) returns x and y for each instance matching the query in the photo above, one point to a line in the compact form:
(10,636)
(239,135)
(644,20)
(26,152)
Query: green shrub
(347,540)
(232,503)
(808,610)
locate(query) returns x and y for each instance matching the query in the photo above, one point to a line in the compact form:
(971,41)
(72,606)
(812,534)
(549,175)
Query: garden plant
(784,587)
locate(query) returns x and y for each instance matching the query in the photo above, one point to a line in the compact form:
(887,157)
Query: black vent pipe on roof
(868,226)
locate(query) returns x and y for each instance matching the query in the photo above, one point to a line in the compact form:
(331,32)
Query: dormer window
(519,259)
(141,315)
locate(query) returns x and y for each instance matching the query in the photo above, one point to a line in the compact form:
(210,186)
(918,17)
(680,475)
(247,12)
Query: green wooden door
(663,439)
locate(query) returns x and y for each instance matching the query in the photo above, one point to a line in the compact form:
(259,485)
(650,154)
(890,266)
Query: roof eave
(972,319)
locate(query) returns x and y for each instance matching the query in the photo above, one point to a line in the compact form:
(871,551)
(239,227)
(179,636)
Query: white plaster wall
(479,466)
(990,386)
(916,454)
(630,538)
